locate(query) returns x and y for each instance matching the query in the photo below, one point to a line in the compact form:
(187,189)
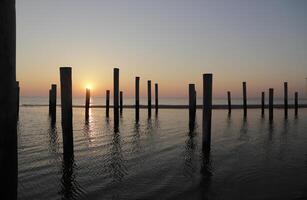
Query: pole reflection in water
(244,130)
(190,157)
(206,173)
(53,136)
(117,165)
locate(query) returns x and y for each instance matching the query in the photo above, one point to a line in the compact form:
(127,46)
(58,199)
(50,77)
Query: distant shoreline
(254,106)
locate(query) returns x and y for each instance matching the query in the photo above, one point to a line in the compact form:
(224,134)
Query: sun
(89,86)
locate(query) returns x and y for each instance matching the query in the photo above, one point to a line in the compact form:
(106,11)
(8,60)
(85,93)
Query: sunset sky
(172,42)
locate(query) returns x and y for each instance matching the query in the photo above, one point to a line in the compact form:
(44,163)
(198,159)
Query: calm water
(159,159)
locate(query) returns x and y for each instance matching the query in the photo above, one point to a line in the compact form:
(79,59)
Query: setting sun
(89,86)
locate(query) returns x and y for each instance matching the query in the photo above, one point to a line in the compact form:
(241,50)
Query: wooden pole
(18,97)
(87,103)
(229,102)
(66,108)
(195,102)
(156,98)
(271,104)
(244,99)
(262,103)
(53,100)
(207,110)
(149,97)
(116,97)
(107,103)
(8,99)
(137,98)
(296,103)
(121,102)
(286,99)
(191,106)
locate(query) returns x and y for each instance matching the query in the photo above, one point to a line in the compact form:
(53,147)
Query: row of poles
(67,112)
(66,103)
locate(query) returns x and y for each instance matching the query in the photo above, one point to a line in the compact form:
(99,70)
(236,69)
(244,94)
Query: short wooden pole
(50,94)
(262,103)
(66,108)
(286,99)
(87,103)
(121,102)
(229,102)
(53,99)
(207,110)
(116,97)
(191,106)
(107,103)
(137,98)
(296,103)
(271,104)
(156,98)
(244,99)
(149,98)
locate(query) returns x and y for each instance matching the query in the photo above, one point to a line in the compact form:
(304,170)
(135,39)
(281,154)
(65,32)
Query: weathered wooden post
(262,103)
(149,97)
(50,94)
(137,98)
(87,103)
(244,99)
(192,107)
(286,99)
(116,97)
(18,97)
(53,100)
(66,108)
(156,98)
(207,110)
(107,103)
(121,102)
(271,104)
(296,104)
(8,110)
(229,102)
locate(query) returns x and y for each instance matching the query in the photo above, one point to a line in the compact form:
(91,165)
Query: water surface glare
(159,159)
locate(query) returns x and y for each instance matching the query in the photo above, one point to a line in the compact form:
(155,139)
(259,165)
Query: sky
(171,42)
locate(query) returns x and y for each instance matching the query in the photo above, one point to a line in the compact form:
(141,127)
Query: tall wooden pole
(66,108)
(156,98)
(107,103)
(87,103)
(271,104)
(116,97)
(8,101)
(137,99)
(286,99)
(149,98)
(262,103)
(229,102)
(207,110)
(244,99)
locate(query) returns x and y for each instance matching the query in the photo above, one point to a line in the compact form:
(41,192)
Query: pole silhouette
(207,110)
(137,99)
(116,97)
(262,103)
(149,97)
(107,103)
(244,99)
(229,102)
(66,108)
(192,106)
(271,104)
(296,104)
(121,102)
(156,98)
(87,103)
(286,99)
(18,98)
(8,99)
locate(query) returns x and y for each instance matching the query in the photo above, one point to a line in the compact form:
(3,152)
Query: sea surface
(160,159)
